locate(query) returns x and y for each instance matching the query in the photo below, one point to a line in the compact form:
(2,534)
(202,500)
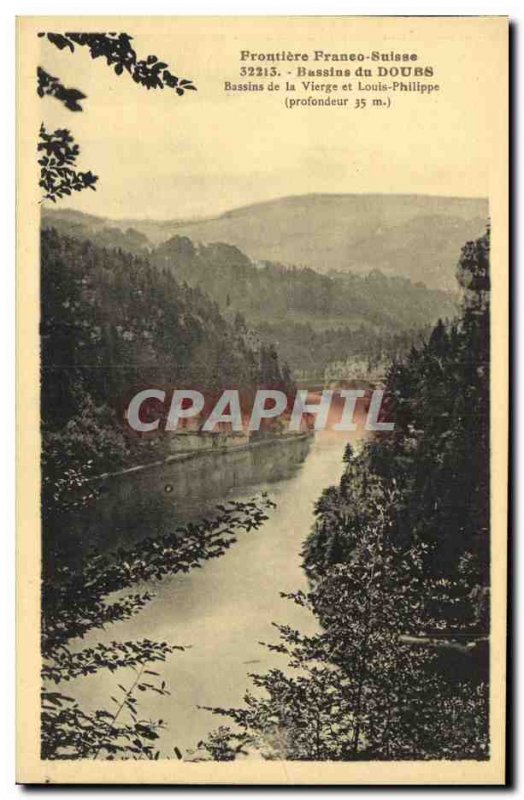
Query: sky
(161,156)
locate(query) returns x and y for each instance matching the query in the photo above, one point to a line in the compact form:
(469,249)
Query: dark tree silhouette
(75,601)
(399,567)
(118,52)
(57,175)
(51,86)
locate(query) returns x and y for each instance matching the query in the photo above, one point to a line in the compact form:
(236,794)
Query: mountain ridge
(415,236)
(119,221)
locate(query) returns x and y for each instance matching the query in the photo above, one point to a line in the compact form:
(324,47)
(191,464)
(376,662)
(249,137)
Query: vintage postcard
(262,400)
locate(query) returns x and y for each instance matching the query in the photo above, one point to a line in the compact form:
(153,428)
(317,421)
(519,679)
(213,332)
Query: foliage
(399,566)
(91,437)
(289,293)
(73,599)
(437,457)
(185,339)
(58,178)
(78,599)
(58,154)
(118,52)
(50,86)
(79,336)
(357,690)
(92,362)
(314,319)
(326,327)
(222,744)
(68,732)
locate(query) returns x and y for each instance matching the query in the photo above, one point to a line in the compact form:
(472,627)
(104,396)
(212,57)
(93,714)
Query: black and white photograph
(263,332)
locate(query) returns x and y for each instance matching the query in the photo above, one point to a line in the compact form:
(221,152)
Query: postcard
(262,400)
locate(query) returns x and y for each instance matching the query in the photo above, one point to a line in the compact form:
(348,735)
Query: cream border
(29,767)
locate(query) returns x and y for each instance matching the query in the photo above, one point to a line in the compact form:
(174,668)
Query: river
(225,609)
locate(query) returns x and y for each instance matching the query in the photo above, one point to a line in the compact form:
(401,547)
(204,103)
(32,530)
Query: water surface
(227,607)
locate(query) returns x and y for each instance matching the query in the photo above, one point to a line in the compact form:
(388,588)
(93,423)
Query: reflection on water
(155,500)
(225,609)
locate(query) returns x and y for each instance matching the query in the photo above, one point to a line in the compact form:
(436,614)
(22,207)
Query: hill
(414,236)
(315,320)
(268,291)
(111,324)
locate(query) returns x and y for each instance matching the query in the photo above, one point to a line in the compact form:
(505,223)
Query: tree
(360,689)
(398,561)
(58,177)
(77,599)
(165,333)
(437,457)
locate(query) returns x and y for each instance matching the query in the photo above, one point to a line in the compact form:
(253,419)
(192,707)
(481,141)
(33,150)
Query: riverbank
(188,455)
(156,497)
(222,611)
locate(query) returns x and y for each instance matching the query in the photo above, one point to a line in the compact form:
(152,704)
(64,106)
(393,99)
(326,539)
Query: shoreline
(189,455)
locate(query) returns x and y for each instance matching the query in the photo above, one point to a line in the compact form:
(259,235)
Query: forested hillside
(315,321)
(93,359)
(399,567)
(411,236)
(435,460)
(274,292)
(96,229)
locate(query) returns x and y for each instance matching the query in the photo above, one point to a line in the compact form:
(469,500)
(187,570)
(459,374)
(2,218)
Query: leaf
(60,41)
